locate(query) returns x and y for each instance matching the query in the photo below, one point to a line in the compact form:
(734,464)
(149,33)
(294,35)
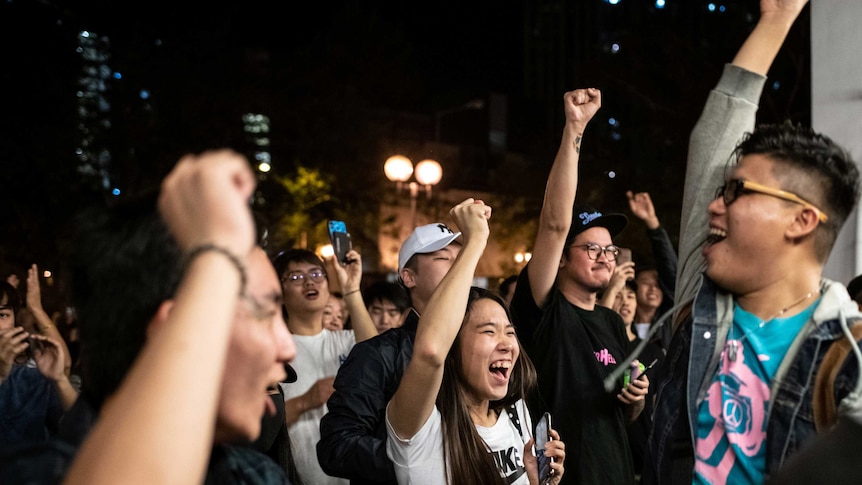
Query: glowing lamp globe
(398,168)
(428,172)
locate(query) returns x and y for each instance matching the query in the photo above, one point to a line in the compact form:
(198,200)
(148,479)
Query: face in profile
(260,344)
(489,350)
(430,270)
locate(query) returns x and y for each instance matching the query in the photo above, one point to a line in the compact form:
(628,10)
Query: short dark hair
(824,174)
(123,263)
(387,291)
(13,299)
(283,259)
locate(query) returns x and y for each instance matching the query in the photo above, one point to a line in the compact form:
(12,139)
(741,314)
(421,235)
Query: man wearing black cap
(573,342)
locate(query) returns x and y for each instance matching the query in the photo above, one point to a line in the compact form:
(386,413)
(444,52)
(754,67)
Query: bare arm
(762,45)
(313,398)
(43,321)
(622,273)
(158,427)
(729,113)
(414,400)
(350,277)
(556,217)
(49,357)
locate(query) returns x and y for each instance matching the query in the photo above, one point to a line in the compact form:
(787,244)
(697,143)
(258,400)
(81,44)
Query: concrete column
(836,97)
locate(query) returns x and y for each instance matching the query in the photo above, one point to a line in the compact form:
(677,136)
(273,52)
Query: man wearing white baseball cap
(353,434)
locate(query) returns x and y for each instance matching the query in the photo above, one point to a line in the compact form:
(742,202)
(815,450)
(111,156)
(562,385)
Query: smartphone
(625,256)
(543,435)
(650,366)
(340,239)
(634,373)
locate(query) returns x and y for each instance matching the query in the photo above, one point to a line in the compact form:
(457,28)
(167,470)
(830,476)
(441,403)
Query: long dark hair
(466,455)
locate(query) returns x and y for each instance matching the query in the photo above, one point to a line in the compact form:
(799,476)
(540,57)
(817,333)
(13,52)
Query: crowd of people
(200,356)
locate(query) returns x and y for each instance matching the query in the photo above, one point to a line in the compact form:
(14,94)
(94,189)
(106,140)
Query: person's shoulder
(38,463)
(232,464)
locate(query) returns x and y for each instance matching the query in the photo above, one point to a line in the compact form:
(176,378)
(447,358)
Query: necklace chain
(733,345)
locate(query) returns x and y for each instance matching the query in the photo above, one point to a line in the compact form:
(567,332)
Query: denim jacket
(693,360)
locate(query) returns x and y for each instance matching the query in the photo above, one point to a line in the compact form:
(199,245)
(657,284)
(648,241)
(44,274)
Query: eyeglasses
(736,187)
(298,277)
(594,250)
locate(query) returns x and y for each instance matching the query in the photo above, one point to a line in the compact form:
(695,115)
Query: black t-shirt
(573,350)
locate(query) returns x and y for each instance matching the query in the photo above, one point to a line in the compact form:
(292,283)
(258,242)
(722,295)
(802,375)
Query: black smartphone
(340,239)
(543,435)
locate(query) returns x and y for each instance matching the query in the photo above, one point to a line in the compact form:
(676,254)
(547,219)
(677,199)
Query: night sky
(346,82)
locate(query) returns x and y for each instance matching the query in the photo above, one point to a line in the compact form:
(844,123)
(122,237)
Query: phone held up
(625,256)
(340,239)
(543,435)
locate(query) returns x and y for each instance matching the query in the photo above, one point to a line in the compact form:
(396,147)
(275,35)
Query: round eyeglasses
(298,277)
(594,250)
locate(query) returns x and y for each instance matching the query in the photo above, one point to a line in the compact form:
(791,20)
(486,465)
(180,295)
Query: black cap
(585,217)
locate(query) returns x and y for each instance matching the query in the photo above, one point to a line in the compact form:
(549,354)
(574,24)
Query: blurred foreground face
(259,346)
(385,315)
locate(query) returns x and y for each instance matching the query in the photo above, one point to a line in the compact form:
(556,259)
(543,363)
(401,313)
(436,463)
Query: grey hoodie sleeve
(729,113)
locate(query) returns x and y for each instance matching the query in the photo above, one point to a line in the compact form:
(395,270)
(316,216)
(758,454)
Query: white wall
(836,97)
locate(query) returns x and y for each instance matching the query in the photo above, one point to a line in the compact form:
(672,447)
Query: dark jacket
(48,462)
(353,433)
(665,265)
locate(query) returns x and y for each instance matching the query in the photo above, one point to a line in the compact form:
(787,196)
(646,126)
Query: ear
(408,277)
(804,223)
(160,317)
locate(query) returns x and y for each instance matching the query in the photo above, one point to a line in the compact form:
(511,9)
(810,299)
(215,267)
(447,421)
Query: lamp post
(427,173)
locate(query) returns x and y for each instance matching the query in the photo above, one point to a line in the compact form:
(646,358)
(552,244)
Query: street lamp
(427,173)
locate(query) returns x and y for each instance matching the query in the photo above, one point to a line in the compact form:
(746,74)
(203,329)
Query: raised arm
(439,324)
(158,427)
(729,113)
(663,251)
(43,321)
(349,277)
(556,217)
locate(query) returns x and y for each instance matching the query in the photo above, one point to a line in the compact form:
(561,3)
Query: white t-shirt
(317,356)
(419,460)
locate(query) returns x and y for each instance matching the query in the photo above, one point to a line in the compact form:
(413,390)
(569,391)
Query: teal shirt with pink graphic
(731,422)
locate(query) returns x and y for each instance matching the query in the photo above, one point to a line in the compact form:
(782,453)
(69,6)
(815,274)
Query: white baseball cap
(425,239)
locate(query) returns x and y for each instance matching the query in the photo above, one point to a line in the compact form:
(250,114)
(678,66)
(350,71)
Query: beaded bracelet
(196,251)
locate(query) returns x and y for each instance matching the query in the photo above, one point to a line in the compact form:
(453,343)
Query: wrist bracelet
(203,248)
(350,293)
